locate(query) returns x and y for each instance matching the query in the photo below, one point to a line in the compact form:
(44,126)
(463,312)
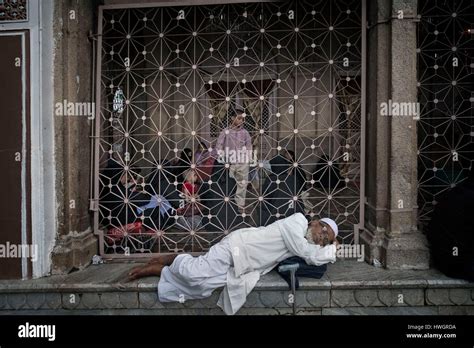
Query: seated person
(204,161)
(257,171)
(212,197)
(189,212)
(300,176)
(158,213)
(237,261)
(451,232)
(202,154)
(278,197)
(110,175)
(163,200)
(123,185)
(176,167)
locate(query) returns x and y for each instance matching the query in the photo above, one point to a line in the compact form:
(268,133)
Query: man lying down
(238,260)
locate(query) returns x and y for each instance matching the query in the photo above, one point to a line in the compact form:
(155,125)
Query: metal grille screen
(171,80)
(445,81)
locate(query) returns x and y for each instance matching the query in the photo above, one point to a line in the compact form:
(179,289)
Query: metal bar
(363,120)
(24,151)
(93,137)
(293,290)
(98,107)
(178,3)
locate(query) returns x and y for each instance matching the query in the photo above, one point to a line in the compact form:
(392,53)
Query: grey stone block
(128,299)
(388,297)
(90,300)
(461,296)
(367,298)
(410,297)
(381,311)
(3,301)
(35,300)
(449,297)
(177,305)
(343,298)
(257,311)
(110,300)
(299,298)
(253,300)
(192,304)
(437,297)
(149,300)
(17,301)
(377,297)
(71,300)
(446,283)
(211,301)
(456,310)
(52,301)
(309,312)
(411,283)
(318,298)
(115,300)
(272,299)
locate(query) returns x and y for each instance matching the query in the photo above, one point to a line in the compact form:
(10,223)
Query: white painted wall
(43,209)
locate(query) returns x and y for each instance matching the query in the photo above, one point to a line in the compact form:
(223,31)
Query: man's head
(322,232)
(237,118)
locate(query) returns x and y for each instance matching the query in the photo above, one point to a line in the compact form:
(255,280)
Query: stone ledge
(349,287)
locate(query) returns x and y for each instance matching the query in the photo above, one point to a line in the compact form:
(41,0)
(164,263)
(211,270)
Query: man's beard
(309,236)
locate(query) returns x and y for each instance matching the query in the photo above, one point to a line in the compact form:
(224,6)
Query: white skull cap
(331,223)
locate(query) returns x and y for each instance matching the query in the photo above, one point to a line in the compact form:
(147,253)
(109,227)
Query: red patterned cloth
(117,233)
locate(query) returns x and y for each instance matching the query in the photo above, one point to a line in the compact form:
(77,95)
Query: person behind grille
(237,261)
(279,198)
(212,196)
(204,161)
(117,184)
(178,166)
(190,212)
(301,183)
(202,154)
(234,146)
(451,231)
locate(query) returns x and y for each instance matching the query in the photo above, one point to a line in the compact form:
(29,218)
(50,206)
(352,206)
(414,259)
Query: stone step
(348,287)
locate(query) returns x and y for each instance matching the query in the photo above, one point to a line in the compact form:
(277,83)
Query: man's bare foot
(166,260)
(145,271)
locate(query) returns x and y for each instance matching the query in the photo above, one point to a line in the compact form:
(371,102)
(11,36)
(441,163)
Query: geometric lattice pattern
(13,10)
(445,92)
(171,80)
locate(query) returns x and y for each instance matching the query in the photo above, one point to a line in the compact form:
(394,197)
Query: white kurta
(195,278)
(238,261)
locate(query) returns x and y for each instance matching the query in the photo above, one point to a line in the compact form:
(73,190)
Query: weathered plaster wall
(73,22)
